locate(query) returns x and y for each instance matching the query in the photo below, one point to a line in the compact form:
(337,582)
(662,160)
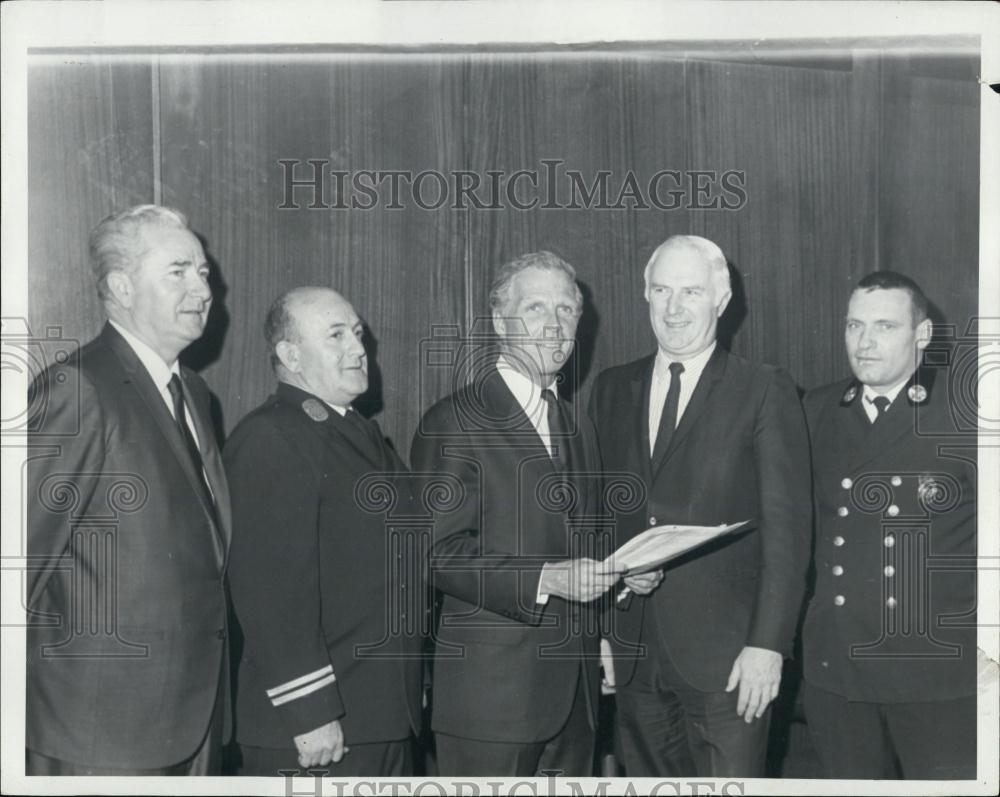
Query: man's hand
(644,583)
(580,580)
(321,746)
(757,671)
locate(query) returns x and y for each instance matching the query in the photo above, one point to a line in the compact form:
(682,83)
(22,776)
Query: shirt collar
(158,370)
(341,411)
(527,393)
(870,393)
(692,367)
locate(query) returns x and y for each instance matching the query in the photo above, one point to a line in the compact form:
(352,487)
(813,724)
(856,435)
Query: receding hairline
(708,251)
(917,315)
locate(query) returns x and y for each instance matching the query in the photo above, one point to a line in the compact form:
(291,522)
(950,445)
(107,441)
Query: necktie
(668,418)
(558,430)
(180,415)
(881,407)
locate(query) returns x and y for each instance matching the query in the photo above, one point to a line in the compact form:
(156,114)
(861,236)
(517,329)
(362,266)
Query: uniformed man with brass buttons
(323,682)
(890,635)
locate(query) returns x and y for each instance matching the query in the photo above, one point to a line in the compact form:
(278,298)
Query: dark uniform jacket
(506,669)
(126,604)
(893,615)
(739,452)
(331,630)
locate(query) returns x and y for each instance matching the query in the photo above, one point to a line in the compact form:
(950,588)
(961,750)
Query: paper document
(660,544)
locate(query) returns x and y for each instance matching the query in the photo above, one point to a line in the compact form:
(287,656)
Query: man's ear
(121,288)
(723,304)
(925,329)
(288,353)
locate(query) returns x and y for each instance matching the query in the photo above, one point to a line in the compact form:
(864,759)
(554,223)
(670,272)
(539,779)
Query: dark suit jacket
(127,610)
(902,495)
(740,452)
(506,669)
(321,583)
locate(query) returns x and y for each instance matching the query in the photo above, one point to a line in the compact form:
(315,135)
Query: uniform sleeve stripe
(305,690)
(300,681)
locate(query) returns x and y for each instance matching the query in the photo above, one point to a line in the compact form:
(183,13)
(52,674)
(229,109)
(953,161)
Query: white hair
(709,252)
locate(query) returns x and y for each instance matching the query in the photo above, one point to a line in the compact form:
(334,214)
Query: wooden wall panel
(929,179)
(90,153)
(595,115)
(791,243)
(859,163)
(227,122)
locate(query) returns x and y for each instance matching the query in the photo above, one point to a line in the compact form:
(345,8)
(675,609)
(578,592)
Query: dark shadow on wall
(208,348)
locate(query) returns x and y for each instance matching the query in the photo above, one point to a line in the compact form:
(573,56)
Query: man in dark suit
(128,525)
(515,672)
(330,675)
(890,636)
(716,439)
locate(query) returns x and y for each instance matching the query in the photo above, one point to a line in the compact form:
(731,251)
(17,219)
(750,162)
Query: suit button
(893,510)
(891,603)
(896,481)
(840,600)
(825,663)
(221,633)
(838,541)
(847,484)
(842,511)
(889,571)
(652,521)
(889,541)
(838,570)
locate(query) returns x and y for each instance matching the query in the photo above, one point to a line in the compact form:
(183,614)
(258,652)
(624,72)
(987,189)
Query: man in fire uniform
(330,676)
(890,636)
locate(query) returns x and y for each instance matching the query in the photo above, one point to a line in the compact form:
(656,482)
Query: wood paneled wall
(861,161)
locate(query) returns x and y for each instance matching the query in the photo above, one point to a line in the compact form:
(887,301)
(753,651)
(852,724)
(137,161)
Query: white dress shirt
(529,397)
(159,372)
(869,394)
(661,383)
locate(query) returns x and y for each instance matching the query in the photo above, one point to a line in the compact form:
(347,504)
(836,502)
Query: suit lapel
(507,416)
(139,379)
(640,386)
(212,462)
(715,368)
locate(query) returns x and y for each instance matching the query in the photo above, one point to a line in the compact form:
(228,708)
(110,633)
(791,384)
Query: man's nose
(199,288)
(673,304)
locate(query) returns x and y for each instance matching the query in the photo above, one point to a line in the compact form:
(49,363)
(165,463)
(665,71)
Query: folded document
(660,544)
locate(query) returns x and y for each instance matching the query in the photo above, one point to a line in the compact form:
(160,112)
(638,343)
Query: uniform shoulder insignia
(849,395)
(917,394)
(315,410)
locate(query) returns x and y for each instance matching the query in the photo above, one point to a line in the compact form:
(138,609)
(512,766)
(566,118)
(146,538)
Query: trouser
(930,740)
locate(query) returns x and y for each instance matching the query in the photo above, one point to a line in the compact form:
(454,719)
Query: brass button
(842,511)
(838,541)
(838,570)
(889,541)
(893,510)
(896,481)
(889,571)
(847,484)
(840,600)
(652,521)
(891,603)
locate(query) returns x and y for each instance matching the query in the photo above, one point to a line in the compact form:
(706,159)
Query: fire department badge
(315,410)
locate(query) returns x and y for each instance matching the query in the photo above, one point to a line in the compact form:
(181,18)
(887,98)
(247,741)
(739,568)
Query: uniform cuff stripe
(300,681)
(305,690)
